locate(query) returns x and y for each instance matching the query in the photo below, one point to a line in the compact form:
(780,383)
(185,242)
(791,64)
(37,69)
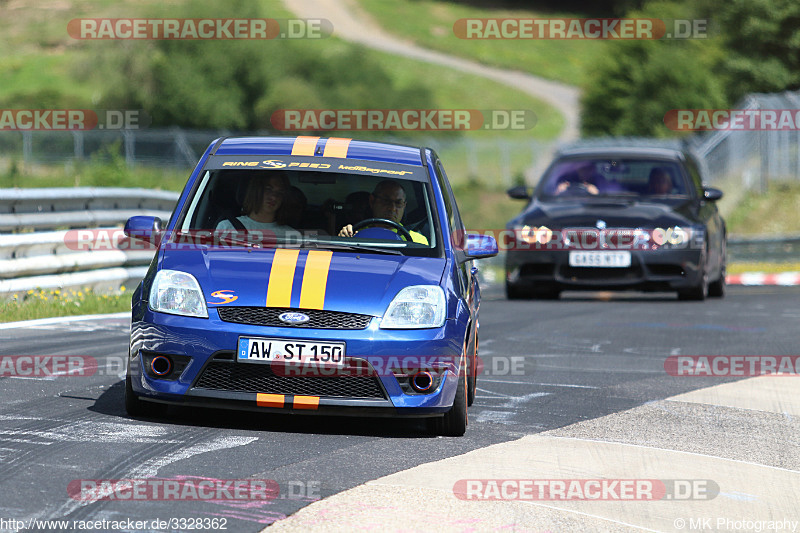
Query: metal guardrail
(777,249)
(37,248)
(31,258)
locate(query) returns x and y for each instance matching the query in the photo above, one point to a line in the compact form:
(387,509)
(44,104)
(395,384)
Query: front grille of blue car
(249,377)
(269,316)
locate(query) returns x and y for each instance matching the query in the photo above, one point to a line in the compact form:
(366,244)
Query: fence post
(472,159)
(77,143)
(505,163)
(130,148)
(27,147)
(763,147)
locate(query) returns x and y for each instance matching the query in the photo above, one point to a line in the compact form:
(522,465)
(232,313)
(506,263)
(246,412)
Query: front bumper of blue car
(193,361)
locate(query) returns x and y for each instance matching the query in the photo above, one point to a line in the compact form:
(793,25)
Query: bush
(633,87)
(239,84)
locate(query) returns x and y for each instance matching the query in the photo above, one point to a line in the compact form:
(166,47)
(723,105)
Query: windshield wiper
(351,248)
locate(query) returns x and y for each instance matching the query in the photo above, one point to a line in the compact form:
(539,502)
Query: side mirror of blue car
(143,228)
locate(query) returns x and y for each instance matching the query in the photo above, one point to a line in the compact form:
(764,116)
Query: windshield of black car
(589,177)
(381,212)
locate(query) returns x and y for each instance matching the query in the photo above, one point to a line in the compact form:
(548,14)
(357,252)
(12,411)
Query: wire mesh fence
(494,162)
(752,159)
(745,159)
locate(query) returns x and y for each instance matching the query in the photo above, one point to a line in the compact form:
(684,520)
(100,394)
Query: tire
(516,293)
(454,421)
(716,289)
(698,293)
(539,293)
(547,294)
(472,375)
(140,408)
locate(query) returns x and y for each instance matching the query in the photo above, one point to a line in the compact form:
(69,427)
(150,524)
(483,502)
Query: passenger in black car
(659,181)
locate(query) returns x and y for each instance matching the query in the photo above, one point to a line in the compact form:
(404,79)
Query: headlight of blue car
(417,306)
(177,293)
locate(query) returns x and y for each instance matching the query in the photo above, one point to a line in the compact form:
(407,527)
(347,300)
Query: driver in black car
(584,178)
(388,201)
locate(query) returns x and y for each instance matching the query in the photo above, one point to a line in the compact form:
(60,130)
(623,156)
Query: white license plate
(265,350)
(600,259)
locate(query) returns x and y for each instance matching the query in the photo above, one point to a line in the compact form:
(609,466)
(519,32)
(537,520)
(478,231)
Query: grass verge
(562,60)
(775,212)
(761,266)
(52,303)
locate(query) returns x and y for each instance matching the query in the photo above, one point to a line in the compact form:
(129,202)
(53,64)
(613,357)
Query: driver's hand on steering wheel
(589,187)
(346,231)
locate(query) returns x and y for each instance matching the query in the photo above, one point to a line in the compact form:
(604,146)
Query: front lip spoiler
(246,401)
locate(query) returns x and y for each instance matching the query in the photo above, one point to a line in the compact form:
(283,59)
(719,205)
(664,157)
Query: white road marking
(512,404)
(540,384)
(90,431)
(61,319)
(151,467)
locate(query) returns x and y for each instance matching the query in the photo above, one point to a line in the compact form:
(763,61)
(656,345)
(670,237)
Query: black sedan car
(617,218)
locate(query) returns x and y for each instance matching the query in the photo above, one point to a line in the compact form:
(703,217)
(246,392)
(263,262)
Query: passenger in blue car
(264,205)
(388,201)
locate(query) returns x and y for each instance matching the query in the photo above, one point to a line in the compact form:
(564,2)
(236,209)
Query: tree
(762,38)
(632,88)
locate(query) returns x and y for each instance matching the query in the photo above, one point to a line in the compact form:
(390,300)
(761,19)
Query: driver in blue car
(387,201)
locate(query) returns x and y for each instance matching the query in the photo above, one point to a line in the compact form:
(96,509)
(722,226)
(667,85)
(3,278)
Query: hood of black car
(608,213)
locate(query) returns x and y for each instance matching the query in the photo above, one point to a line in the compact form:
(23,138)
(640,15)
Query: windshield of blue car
(590,177)
(308,208)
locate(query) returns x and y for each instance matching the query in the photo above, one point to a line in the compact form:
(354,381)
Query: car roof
(320,146)
(624,147)
(622,151)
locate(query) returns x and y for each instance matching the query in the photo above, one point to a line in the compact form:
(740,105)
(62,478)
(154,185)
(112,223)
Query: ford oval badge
(294,319)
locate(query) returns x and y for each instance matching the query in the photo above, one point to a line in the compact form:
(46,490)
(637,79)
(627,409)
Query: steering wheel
(579,189)
(403,231)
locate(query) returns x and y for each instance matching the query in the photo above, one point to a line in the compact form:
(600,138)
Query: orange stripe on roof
(336,147)
(270,400)
(281,277)
(304,145)
(315,279)
(306,402)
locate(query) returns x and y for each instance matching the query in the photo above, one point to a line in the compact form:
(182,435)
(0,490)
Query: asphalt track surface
(547,366)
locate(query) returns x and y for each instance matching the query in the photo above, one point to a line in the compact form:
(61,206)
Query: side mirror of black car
(712,194)
(520,192)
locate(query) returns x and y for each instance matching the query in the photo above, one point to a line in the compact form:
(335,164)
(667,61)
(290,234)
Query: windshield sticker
(316,163)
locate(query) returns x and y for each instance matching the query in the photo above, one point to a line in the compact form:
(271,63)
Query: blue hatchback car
(310,275)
